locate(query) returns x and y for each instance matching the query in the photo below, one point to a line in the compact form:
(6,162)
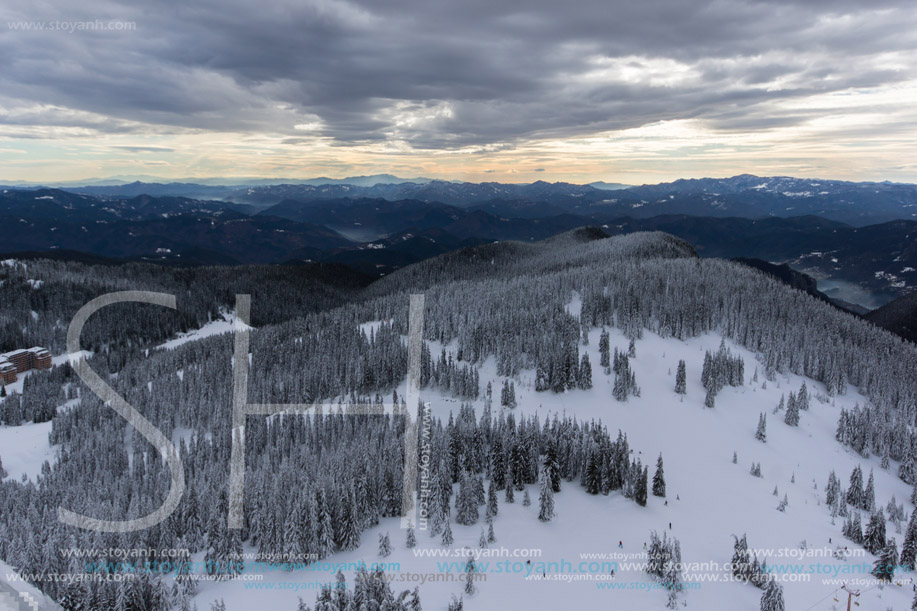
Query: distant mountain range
(858,239)
(869,265)
(116,181)
(746,196)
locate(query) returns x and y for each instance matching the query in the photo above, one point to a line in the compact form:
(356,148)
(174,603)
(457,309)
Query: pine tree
(541,379)
(448,539)
(411,539)
(761,432)
(772,599)
(672,601)
(641,487)
(869,494)
(552,465)
(385,546)
(349,527)
(741,562)
(855,492)
(490,533)
(469,576)
(466,505)
(909,547)
(884,567)
(508,394)
(856,529)
(546,498)
(492,505)
(526,500)
(482,540)
(672,581)
(802,400)
(681,378)
(620,388)
(584,378)
(792,411)
(710,398)
(604,350)
(659,479)
(412,603)
(831,490)
(874,535)
(783,504)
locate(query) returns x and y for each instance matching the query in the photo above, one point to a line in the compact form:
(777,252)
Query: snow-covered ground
(24,448)
(709,500)
(63,359)
(215,327)
(18,594)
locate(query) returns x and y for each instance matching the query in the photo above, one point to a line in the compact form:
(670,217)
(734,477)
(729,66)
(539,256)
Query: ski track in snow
(215,327)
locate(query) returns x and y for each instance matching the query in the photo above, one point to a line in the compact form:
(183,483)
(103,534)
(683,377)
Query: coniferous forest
(316,483)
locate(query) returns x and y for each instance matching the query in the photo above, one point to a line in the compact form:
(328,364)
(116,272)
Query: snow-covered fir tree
(681,378)
(470,571)
(792,411)
(761,431)
(546,497)
(887,561)
(659,479)
(772,599)
(385,546)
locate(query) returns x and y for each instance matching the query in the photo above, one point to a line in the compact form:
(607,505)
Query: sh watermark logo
(241,410)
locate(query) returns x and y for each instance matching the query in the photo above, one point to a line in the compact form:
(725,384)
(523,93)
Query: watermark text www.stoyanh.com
(69,27)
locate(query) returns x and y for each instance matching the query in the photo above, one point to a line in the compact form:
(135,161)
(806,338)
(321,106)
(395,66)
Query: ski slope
(710,499)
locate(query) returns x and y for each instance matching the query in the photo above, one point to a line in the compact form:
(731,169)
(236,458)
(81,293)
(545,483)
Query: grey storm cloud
(144,149)
(475,73)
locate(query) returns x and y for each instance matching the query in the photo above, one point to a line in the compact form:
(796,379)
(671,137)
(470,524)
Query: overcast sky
(634,92)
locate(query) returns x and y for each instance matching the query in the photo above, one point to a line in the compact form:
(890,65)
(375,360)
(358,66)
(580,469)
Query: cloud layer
(417,77)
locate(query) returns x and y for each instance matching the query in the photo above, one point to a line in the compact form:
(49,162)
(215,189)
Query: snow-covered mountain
(778,418)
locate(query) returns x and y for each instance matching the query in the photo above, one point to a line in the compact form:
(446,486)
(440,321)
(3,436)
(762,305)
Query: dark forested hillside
(378,235)
(55,290)
(898,316)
